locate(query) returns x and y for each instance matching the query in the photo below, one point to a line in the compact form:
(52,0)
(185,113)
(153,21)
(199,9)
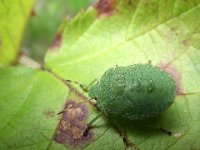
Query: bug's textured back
(135,92)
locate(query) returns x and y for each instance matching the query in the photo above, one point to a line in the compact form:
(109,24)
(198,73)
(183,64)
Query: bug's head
(93,91)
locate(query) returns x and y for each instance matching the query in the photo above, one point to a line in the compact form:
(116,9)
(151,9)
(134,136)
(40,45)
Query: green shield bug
(135,92)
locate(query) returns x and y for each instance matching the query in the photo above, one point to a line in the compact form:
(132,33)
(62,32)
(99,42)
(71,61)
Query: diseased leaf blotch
(73,125)
(105,7)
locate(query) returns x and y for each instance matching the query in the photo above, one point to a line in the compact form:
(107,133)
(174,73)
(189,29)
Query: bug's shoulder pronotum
(136,92)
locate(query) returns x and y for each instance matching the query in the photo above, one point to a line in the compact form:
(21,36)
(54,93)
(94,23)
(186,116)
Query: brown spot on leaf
(72,125)
(185,43)
(105,7)
(174,72)
(171,34)
(33,13)
(56,42)
(49,114)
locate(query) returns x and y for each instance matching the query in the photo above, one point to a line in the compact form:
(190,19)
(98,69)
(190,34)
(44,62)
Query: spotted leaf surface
(122,33)
(112,32)
(29,101)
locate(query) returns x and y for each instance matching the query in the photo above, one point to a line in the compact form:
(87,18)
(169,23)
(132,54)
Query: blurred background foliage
(46,16)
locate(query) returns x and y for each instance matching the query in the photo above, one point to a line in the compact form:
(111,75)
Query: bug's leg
(149,62)
(163,130)
(87,87)
(61,112)
(159,129)
(90,125)
(84,87)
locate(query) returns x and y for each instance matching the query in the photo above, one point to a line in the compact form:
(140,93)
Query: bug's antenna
(84,87)
(61,112)
(150,62)
(89,125)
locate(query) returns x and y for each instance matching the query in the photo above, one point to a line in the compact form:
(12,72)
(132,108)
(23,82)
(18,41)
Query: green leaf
(128,32)
(13,18)
(30,100)
(74,7)
(165,32)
